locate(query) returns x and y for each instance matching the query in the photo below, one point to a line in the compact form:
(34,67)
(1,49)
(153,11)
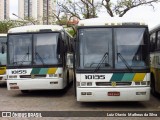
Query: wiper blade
(101,61)
(125,62)
(40,58)
(22,60)
(25,56)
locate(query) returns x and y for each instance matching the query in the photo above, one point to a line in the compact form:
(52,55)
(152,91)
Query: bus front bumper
(113,94)
(35,84)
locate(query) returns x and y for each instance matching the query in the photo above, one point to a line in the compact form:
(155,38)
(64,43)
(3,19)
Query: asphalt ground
(53,100)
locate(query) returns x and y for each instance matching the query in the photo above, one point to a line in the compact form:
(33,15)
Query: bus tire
(67,77)
(74,84)
(25,91)
(153,90)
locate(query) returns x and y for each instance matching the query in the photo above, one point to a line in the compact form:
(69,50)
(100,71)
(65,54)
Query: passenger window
(152,40)
(158,40)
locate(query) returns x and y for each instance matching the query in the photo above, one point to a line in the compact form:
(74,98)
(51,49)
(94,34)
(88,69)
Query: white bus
(37,58)
(3,50)
(111,60)
(155,59)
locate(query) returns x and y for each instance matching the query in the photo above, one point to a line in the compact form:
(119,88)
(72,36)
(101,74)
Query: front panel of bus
(35,61)
(112,63)
(3,50)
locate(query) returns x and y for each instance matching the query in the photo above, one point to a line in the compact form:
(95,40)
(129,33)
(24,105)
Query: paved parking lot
(66,101)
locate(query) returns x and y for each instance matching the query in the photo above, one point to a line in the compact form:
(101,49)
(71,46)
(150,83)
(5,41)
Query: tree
(8,24)
(121,7)
(5,26)
(30,20)
(68,9)
(80,9)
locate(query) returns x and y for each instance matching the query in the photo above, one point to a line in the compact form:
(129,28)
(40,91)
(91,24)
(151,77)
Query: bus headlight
(137,83)
(13,76)
(51,75)
(144,83)
(83,83)
(89,83)
(55,75)
(141,93)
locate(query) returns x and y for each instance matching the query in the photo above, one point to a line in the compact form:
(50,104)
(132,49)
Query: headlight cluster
(143,83)
(13,76)
(56,75)
(86,83)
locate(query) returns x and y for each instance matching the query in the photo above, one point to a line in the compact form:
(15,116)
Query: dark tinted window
(152,41)
(158,40)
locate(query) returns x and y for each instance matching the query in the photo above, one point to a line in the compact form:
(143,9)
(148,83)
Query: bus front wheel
(153,90)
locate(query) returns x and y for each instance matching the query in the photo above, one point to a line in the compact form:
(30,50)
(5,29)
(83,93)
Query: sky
(13,8)
(147,13)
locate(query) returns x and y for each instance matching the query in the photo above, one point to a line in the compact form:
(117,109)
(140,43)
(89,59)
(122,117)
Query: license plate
(113,93)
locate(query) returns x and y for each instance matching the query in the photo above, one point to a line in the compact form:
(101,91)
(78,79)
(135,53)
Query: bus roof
(35,28)
(110,21)
(154,28)
(3,35)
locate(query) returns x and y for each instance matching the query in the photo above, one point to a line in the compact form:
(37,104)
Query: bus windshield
(3,45)
(114,48)
(94,43)
(131,48)
(39,48)
(45,48)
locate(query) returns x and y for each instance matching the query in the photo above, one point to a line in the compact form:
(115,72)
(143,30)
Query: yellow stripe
(139,77)
(2,70)
(52,70)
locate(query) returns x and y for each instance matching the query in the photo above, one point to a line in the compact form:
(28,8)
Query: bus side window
(158,40)
(152,41)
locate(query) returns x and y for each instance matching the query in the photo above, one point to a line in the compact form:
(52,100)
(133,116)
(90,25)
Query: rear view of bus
(112,60)
(37,58)
(3,50)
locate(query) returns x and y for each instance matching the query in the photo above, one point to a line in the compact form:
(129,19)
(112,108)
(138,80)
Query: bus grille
(110,83)
(30,76)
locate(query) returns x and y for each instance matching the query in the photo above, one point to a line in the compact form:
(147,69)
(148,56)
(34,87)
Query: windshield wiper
(22,60)
(101,61)
(25,56)
(125,62)
(40,58)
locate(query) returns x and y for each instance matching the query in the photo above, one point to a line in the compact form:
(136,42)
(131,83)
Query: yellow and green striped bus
(3,50)
(37,58)
(111,60)
(155,59)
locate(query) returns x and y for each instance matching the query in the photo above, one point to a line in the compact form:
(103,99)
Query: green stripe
(128,77)
(117,76)
(43,71)
(35,70)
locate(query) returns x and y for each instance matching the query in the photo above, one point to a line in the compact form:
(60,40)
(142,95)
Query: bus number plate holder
(113,93)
